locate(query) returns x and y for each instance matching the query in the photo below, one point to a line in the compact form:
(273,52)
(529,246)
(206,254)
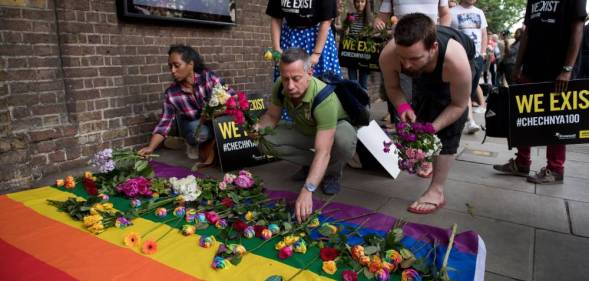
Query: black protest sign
(539,116)
(236,150)
(360,52)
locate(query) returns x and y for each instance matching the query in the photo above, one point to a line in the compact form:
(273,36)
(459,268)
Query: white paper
(373,137)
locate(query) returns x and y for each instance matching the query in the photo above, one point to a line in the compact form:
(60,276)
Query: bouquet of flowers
(417,145)
(217,103)
(238,107)
(117,166)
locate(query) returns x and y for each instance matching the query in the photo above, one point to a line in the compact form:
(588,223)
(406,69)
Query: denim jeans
(188,128)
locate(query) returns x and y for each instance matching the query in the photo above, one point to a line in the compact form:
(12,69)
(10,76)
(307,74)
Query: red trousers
(555,156)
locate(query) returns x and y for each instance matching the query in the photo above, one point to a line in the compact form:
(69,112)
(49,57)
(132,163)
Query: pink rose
(239,117)
(231,103)
(242,100)
(222,185)
(411,153)
(229,178)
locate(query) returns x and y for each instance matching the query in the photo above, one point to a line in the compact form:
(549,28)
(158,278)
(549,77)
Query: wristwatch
(310,187)
(567,68)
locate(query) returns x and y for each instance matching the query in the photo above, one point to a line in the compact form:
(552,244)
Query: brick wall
(75,79)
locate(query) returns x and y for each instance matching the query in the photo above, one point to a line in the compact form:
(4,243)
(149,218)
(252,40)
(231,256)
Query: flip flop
(426,212)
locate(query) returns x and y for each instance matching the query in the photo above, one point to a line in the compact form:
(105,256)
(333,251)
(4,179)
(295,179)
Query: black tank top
(432,83)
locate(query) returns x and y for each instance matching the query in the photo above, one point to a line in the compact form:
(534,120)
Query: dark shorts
(429,105)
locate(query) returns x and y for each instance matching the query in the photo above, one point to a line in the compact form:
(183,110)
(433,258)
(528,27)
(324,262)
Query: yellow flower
(59,182)
(93,211)
(280,245)
(289,240)
(107,206)
(132,239)
(88,175)
(96,228)
(249,216)
(268,55)
(98,207)
(329,267)
(91,220)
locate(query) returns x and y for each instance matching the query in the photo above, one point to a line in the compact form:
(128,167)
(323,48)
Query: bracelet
(310,186)
(403,107)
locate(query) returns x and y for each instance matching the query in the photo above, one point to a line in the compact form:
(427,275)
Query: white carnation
(187,187)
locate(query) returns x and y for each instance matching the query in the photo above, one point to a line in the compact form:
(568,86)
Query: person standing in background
(358,21)
(306,25)
(472,22)
(541,60)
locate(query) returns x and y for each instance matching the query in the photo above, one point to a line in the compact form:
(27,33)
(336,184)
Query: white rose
(214,102)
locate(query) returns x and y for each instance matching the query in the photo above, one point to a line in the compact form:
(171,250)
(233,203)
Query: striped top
(358,24)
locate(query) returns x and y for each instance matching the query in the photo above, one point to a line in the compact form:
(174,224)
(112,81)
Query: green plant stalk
(304,268)
(444,269)
(157,226)
(171,228)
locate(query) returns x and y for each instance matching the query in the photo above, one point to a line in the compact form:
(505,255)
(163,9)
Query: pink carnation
(135,187)
(212,217)
(243,181)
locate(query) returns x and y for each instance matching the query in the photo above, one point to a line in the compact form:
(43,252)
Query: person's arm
(571,55)
(523,46)
(445,18)
(324,27)
(390,69)
(458,74)
(484,42)
(154,142)
(270,117)
(323,142)
(276,28)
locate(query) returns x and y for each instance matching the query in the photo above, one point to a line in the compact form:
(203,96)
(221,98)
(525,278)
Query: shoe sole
(546,183)
(512,173)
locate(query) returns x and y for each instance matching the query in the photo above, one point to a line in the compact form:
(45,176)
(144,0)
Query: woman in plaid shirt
(185,99)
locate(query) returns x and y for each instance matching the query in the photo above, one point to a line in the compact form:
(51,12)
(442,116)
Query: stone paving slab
(560,257)
(572,188)
(484,174)
(579,217)
(509,257)
(489,276)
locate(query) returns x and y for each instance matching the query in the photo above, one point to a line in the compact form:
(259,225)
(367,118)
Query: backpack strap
(322,95)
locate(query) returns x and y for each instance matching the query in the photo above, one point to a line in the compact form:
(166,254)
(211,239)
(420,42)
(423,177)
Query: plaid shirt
(187,105)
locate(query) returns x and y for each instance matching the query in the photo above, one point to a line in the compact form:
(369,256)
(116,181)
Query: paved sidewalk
(531,232)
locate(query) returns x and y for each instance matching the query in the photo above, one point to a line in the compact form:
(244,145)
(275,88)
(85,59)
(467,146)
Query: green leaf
(287,226)
(368,274)
(370,250)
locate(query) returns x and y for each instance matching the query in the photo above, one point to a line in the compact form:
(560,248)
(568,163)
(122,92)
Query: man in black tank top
(440,61)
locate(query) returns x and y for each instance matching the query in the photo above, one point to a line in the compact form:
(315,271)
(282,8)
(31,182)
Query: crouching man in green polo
(321,141)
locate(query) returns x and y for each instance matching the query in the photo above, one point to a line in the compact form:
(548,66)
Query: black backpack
(352,96)
(496,116)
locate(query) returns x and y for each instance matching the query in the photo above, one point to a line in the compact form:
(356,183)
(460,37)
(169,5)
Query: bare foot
(428,203)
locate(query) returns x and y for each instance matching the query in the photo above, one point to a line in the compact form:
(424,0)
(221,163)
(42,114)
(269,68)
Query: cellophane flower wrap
(417,145)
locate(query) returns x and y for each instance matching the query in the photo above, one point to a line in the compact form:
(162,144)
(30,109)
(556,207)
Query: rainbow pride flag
(39,242)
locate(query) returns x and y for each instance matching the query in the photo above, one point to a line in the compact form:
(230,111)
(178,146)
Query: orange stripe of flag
(75,252)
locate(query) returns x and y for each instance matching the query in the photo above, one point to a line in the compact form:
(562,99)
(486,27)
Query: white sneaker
(192,151)
(472,127)
(479,110)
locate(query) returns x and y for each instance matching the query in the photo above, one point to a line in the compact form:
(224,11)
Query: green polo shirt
(325,116)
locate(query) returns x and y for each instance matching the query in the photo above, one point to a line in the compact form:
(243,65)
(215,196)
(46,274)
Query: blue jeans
(477,66)
(188,128)
(353,75)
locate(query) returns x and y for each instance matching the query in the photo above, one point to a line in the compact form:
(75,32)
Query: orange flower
(149,247)
(375,264)
(388,267)
(59,183)
(364,260)
(70,182)
(357,252)
(132,240)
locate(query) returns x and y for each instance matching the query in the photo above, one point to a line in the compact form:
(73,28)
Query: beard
(412,73)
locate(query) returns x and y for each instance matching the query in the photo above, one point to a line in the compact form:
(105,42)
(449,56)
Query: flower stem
(171,228)
(157,226)
(444,269)
(304,268)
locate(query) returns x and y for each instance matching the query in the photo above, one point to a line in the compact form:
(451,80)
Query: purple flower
(400,126)
(103,161)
